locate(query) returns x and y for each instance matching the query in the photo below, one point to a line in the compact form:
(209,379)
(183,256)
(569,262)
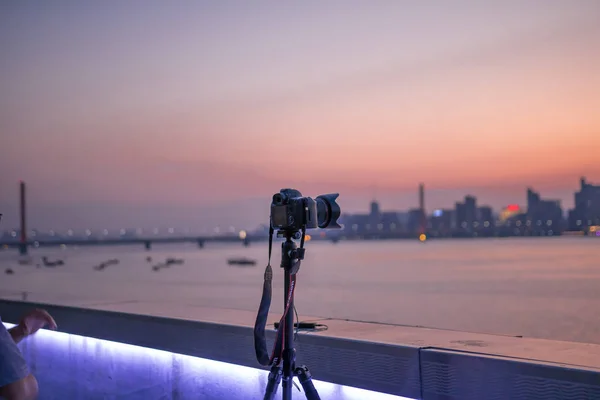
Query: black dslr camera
(292,212)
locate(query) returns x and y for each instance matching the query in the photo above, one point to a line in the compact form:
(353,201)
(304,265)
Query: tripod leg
(273,382)
(306,381)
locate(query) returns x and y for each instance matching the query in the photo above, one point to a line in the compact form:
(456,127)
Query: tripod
(290,262)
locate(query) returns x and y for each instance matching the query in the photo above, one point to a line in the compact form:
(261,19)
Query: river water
(535,287)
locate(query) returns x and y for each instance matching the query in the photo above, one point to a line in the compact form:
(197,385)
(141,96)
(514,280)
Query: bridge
(23,242)
(145,241)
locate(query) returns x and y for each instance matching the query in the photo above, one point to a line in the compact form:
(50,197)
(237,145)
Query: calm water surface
(546,288)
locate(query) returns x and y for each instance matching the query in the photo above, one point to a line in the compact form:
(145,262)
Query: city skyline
(196,114)
(230,225)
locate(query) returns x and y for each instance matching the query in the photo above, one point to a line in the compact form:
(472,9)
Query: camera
(290,211)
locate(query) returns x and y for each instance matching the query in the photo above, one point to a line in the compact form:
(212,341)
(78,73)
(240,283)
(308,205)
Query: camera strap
(260,341)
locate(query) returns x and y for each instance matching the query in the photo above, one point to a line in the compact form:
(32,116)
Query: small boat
(241,261)
(174,261)
(48,263)
(106,264)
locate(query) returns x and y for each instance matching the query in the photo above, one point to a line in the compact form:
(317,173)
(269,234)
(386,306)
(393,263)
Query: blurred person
(16,381)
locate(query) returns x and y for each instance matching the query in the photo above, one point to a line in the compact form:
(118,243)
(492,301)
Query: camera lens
(328,211)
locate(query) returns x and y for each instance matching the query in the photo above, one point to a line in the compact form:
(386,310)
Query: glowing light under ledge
(254,380)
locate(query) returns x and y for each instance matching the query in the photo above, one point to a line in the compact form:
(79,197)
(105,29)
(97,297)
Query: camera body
(292,212)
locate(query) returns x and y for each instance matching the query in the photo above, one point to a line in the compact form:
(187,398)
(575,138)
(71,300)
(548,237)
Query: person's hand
(36,320)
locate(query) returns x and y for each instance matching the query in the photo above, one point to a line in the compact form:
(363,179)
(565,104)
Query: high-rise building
(375,208)
(544,217)
(587,207)
(466,215)
(441,222)
(485,216)
(374,217)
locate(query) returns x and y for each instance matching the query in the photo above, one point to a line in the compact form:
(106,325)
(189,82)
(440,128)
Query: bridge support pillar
(200,243)
(23,249)
(148,245)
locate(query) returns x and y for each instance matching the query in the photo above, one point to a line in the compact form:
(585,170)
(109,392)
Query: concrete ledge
(404,361)
(456,375)
(373,366)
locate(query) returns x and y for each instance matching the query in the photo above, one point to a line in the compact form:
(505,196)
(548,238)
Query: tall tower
(423,219)
(23,243)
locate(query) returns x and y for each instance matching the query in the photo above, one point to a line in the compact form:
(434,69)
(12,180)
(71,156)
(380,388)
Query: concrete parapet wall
(76,368)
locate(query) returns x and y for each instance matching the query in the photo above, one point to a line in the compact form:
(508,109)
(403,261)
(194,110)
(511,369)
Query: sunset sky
(192,113)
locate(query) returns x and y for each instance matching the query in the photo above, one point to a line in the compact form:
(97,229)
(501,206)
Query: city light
(422,237)
(242,235)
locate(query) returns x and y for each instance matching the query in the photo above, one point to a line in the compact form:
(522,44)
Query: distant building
(415,220)
(485,215)
(544,217)
(376,222)
(375,217)
(485,218)
(466,215)
(587,207)
(441,223)
(375,208)
(391,222)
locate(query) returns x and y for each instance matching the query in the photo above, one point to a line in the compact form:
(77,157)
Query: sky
(193,113)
